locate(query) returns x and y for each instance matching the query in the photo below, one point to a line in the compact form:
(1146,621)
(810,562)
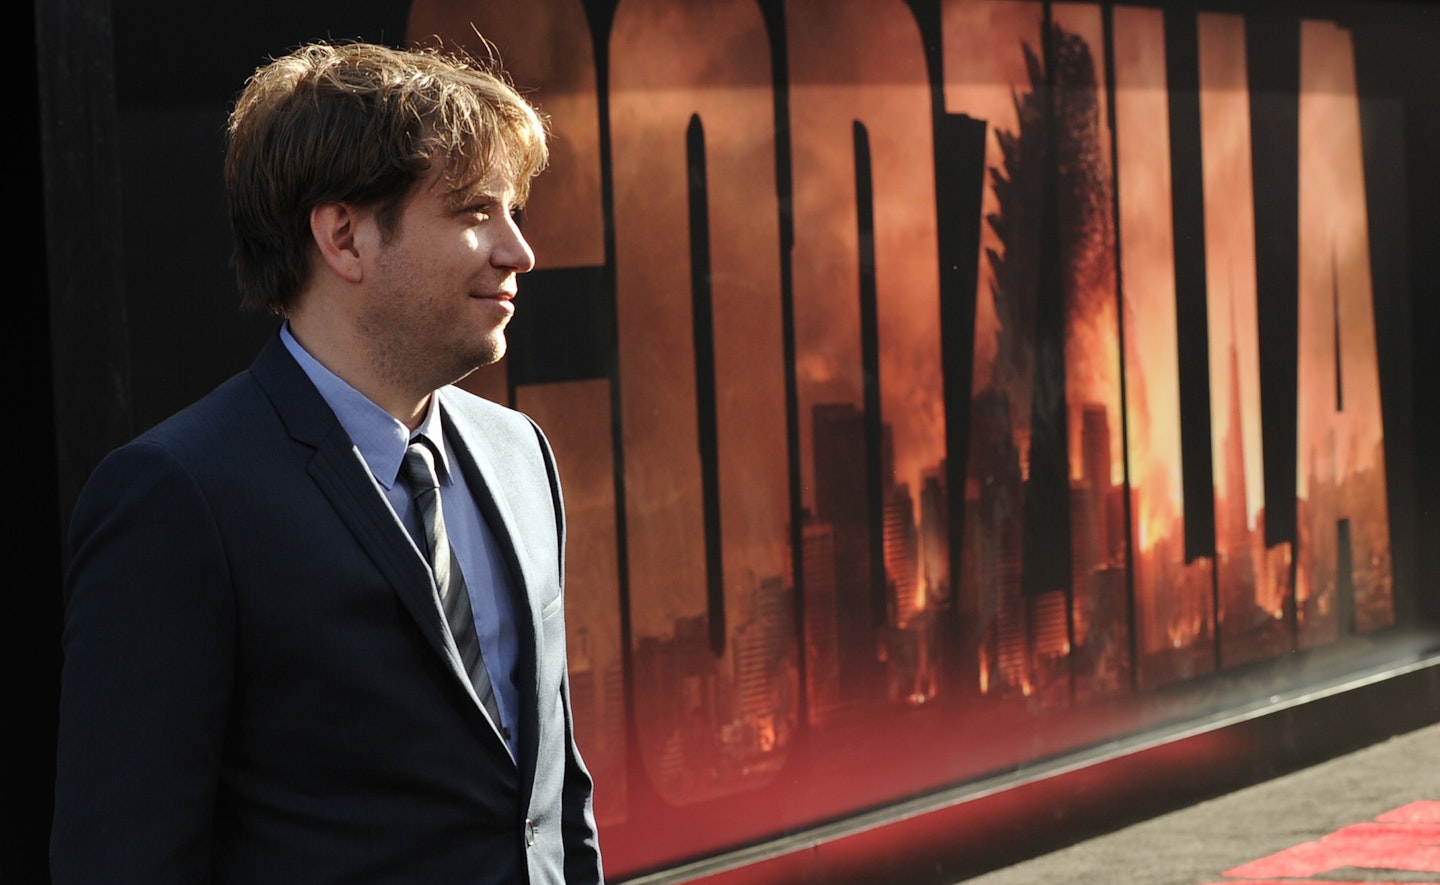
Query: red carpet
(1407,839)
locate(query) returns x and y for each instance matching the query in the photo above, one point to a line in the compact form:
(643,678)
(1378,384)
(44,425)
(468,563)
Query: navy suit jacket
(257,685)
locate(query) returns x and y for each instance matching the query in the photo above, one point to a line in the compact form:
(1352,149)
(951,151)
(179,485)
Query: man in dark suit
(314,624)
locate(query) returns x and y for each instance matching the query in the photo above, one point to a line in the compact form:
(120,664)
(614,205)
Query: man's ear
(336,229)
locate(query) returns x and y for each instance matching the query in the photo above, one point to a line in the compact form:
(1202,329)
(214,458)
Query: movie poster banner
(937,386)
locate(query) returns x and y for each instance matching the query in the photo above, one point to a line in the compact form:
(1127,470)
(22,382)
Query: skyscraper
(822,653)
(842,501)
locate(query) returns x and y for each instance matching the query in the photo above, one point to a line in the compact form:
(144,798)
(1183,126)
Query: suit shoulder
(219,415)
(231,421)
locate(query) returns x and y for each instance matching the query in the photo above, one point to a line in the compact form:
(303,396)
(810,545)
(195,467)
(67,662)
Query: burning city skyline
(768,396)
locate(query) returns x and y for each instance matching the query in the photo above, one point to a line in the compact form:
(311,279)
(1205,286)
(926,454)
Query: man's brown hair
(359,123)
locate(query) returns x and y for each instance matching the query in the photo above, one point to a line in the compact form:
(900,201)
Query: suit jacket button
(529,832)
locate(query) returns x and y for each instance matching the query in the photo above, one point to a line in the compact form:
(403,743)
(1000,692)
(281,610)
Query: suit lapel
(484,479)
(345,481)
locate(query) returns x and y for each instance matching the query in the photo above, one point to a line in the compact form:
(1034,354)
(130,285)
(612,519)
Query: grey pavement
(1196,845)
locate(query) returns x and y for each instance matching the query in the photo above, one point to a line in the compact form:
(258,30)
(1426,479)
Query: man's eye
(517,214)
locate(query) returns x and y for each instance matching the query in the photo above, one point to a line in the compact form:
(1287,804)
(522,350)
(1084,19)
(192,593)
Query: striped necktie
(419,469)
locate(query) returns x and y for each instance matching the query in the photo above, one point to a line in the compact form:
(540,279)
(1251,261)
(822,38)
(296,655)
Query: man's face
(439,293)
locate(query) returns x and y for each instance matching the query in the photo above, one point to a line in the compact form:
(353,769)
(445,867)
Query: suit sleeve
(149,653)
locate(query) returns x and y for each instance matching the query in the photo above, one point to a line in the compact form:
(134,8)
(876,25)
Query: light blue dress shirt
(381,441)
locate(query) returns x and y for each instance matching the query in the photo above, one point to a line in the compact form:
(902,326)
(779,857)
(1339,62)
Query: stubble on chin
(420,358)
(493,351)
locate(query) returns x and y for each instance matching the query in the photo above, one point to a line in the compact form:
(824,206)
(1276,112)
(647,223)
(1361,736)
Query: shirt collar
(432,427)
(380,439)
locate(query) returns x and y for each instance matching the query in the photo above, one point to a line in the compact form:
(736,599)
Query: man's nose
(513,250)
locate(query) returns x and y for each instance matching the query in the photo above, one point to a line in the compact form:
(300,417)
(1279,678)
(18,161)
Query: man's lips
(502,299)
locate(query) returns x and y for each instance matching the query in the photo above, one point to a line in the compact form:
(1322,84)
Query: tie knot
(419,466)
